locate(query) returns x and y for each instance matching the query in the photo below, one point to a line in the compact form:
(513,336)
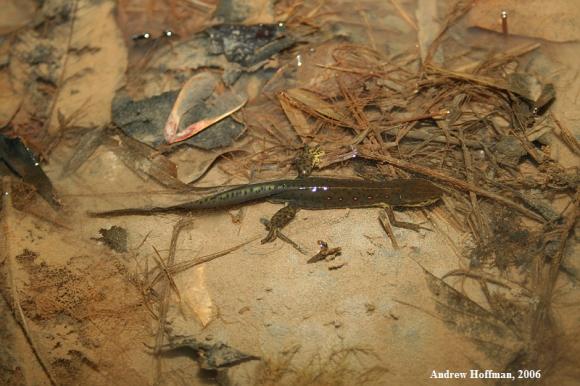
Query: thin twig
(488,278)
(165,271)
(404,15)
(456,13)
(185,265)
(567,137)
(164,293)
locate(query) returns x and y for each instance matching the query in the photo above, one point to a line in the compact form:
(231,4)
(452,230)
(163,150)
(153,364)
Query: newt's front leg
(307,160)
(280,219)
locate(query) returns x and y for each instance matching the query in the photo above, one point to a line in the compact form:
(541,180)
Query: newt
(307,193)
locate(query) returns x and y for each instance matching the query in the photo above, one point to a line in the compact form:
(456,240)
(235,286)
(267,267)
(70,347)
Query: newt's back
(329,193)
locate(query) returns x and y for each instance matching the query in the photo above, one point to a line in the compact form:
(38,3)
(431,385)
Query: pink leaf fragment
(199,90)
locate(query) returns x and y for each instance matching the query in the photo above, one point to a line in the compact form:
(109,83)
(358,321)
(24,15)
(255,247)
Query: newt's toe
(271,236)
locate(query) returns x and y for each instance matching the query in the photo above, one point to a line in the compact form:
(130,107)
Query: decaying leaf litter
(475,122)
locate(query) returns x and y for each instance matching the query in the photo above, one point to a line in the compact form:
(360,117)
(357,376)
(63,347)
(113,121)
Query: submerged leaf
(313,103)
(211,356)
(86,147)
(296,117)
(146,161)
(469,318)
(194,94)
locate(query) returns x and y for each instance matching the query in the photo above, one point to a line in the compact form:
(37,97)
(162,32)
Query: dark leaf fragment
(247,44)
(86,147)
(469,318)
(20,161)
(145,119)
(115,238)
(211,356)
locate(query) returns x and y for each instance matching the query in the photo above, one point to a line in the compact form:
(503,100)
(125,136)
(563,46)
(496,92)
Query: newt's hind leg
(401,224)
(387,218)
(280,219)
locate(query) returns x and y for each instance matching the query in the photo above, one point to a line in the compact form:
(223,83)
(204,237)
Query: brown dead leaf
(146,161)
(16,14)
(92,76)
(197,296)
(85,148)
(10,99)
(182,17)
(250,12)
(194,163)
(296,117)
(313,70)
(314,104)
(469,318)
(427,27)
(268,119)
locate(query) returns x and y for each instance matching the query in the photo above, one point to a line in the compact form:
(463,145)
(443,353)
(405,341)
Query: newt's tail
(150,211)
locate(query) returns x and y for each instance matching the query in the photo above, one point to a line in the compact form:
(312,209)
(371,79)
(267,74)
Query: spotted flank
(239,195)
(310,193)
(329,193)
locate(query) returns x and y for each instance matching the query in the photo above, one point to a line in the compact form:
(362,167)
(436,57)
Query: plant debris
(145,119)
(17,159)
(247,44)
(200,103)
(152,100)
(325,253)
(214,356)
(115,238)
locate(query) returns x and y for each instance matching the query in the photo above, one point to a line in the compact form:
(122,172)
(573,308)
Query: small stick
(567,137)
(324,252)
(164,294)
(163,268)
(180,267)
(488,278)
(384,220)
(504,22)
(404,15)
